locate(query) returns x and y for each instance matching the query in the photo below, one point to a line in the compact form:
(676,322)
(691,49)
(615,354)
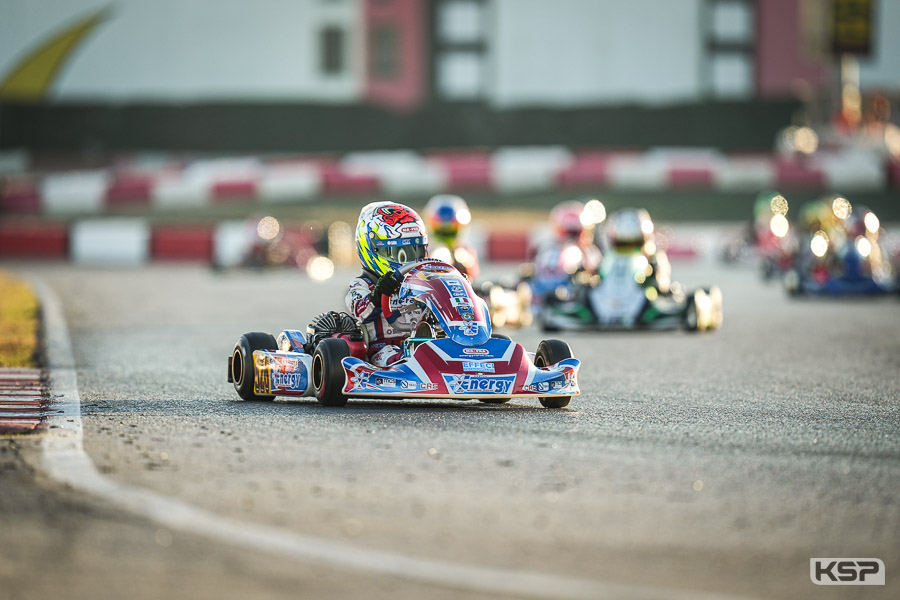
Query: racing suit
(385,334)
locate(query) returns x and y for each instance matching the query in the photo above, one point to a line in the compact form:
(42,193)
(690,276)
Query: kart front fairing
(443,368)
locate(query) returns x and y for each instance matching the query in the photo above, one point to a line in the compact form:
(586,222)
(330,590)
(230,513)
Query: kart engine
(330,324)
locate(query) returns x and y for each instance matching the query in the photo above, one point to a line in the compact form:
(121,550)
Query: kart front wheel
(715,300)
(243,373)
(328,373)
(550,352)
(703,311)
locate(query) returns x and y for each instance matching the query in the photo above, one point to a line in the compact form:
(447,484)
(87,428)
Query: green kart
(626,295)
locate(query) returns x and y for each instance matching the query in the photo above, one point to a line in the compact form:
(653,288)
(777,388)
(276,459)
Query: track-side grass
(18,322)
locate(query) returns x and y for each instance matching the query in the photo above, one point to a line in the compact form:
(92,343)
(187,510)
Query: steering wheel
(403,270)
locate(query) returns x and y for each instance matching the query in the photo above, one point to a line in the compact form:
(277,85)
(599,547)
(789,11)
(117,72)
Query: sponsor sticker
(385,382)
(474,384)
(286,365)
(361,379)
(428,386)
(456,288)
(476,351)
(289,381)
(470,329)
(408,385)
(478,367)
(541,386)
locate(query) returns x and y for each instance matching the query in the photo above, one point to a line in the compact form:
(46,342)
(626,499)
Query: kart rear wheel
(550,352)
(243,374)
(328,373)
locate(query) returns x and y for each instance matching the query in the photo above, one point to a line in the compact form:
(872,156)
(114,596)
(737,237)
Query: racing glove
(387,285)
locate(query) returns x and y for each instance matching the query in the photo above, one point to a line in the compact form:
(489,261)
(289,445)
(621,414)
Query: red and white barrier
(406,173)
(110,242)
(132,242)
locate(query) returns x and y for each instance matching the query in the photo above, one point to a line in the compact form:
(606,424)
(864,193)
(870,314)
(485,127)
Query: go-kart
(451,354)
(508,305)
(772,248)
(851,268)
(518,304)
(625,295)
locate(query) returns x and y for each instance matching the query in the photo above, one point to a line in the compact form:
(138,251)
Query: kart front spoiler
(443,369)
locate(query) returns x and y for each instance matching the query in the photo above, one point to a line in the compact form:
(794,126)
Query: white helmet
(629,228)
(388,235)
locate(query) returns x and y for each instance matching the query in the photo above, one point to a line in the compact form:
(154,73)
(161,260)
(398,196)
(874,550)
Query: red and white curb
(24,402)
(399,173)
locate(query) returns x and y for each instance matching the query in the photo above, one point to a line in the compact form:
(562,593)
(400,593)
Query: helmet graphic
(389,235)
(446,215)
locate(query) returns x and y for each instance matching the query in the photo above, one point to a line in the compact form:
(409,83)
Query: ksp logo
(846,571)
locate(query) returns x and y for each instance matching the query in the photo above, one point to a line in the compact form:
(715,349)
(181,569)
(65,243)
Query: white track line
(65,460)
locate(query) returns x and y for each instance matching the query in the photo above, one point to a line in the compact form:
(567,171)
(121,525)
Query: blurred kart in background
(448,217)
(508,305)
(451,354)
(625,295)
(267,243)
(840,253)
(277,244)
(632,289)
(570,249)
(766,239)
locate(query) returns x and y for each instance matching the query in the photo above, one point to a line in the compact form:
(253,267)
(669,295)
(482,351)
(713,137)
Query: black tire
(793,284)
(242,370)
(328,373)
(691,318)
(500,336)
(550,352)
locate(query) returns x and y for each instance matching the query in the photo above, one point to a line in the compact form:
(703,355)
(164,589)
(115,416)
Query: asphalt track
(690,464)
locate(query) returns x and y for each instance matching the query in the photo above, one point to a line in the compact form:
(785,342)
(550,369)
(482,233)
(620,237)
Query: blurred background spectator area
(94,78)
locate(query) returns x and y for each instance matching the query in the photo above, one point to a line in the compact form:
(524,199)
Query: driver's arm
(358,299)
